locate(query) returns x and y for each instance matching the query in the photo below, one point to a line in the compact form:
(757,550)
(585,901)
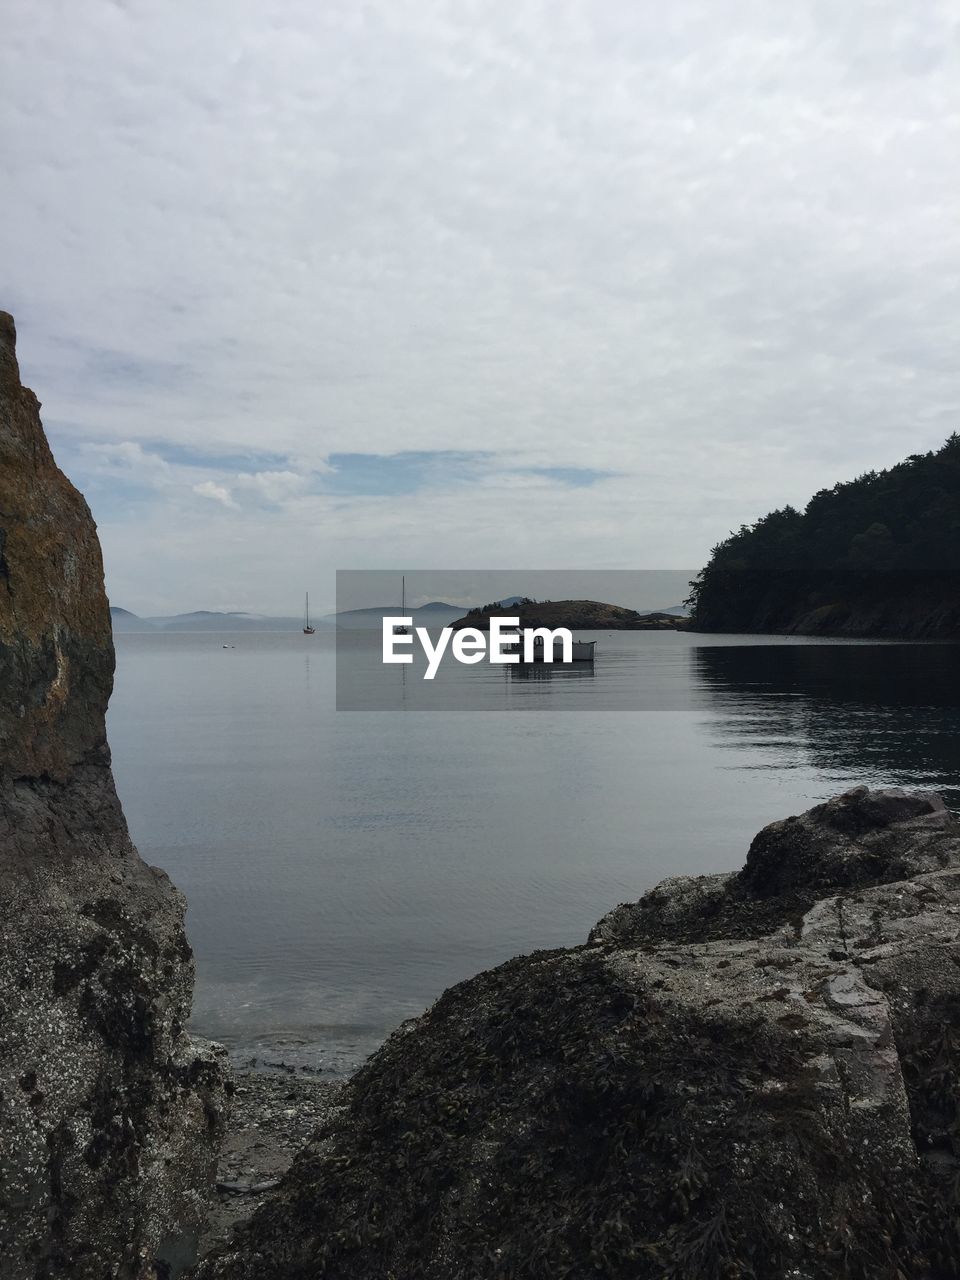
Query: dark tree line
(859,558)
(497,606)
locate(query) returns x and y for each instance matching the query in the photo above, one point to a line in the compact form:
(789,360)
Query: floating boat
(580,650)
(402,631)
(307,629)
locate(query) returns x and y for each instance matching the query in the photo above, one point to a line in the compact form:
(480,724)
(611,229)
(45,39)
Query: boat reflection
(550,670)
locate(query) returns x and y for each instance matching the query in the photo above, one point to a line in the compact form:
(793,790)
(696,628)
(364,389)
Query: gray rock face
(752,1075)
(109,1113)
(859,838)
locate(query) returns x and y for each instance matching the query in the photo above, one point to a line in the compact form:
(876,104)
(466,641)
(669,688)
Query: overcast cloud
(407,283)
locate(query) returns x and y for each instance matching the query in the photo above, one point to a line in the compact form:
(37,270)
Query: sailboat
(402,631)
(307,629)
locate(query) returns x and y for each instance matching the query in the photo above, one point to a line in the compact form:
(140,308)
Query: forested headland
(874,556)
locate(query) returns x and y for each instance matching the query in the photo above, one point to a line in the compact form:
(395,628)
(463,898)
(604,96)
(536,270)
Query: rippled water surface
(342,868)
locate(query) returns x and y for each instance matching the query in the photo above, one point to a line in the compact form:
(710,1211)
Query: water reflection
(549,671)
(881,714)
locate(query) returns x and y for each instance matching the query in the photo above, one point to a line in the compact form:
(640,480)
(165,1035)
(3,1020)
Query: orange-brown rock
(110,1113)
(56,652)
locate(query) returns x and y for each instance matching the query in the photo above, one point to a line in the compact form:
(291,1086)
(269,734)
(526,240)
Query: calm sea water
(343,868)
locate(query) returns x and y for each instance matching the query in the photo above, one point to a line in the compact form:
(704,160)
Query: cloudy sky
(410,283)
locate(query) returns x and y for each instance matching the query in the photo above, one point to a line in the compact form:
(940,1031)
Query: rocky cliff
(747,1075)
(109,1112)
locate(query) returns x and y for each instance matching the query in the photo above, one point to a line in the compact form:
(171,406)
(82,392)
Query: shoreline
(749,1048)
(326,1054)
(274,1112)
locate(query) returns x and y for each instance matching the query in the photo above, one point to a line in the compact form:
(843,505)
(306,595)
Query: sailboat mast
(403,595)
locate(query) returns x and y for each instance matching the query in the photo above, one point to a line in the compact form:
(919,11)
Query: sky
(415,284)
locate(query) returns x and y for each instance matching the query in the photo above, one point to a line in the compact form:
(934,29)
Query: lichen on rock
(109,1112)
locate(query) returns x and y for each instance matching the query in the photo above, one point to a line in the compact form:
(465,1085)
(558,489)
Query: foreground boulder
(109,1112)
(751,1075)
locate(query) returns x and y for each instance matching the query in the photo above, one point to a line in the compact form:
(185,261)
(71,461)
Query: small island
(577,615)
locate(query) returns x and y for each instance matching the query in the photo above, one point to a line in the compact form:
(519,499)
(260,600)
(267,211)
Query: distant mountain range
(201,620)
(435,614)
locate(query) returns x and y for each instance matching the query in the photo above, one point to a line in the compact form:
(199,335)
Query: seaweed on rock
(732,1109)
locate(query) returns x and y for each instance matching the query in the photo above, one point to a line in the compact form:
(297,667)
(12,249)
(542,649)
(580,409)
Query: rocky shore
(273,1115)
(739,1077)
(745,1075)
